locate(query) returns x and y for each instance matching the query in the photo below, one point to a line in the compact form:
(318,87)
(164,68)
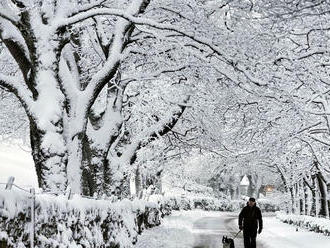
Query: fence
(57,220)
(9,185)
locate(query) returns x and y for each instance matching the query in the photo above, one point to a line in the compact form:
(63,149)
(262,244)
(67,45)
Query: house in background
(267,190)
(244,185)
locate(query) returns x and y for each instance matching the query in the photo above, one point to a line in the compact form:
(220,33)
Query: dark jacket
(250,217)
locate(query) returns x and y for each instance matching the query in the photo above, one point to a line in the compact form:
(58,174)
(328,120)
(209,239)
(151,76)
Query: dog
(227,242)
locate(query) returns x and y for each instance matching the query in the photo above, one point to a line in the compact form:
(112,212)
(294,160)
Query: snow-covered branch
(86,7)
(16,86)
(161,26)
(10,18)
(159,129)
(119,42)
(15,43)
(156,74)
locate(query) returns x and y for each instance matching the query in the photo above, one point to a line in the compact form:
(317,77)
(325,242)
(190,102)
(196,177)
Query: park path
(208,231)
(201,229)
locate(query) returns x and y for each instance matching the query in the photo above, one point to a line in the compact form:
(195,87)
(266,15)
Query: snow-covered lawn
(280,235)
(320,225)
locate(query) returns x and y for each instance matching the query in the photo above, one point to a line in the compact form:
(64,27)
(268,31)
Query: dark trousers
(250,238)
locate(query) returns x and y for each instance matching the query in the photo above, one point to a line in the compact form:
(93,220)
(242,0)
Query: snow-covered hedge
(264,204)
(314,224)
(78,222)
(213,204)
(268,205)
(196,202)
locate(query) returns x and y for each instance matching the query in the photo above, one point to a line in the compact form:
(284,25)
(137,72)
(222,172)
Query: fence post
(33,195)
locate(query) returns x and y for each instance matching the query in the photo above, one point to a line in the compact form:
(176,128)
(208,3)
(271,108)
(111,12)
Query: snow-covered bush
(196,202)
(162,202)
(268,205)
(78,222)
(214,204)
(314,224)
(264,204)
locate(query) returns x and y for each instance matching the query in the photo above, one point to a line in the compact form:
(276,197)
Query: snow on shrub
(195,202)
(213,204)
(268,205)
(264,204)
(314,224)
(78,222)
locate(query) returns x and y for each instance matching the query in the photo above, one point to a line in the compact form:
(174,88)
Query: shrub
(79,222)
(314,224)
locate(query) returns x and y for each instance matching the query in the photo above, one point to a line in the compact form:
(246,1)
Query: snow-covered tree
(70,53)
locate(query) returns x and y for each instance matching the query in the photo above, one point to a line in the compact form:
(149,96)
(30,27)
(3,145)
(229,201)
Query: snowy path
(208,231)
(199,229)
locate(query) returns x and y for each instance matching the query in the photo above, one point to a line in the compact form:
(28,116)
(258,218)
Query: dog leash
(237,234)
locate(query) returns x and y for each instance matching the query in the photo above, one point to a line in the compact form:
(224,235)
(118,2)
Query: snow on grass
(166,237)
(320,225)
(280,235)
(15,161)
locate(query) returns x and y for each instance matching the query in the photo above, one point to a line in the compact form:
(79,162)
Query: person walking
(249,220)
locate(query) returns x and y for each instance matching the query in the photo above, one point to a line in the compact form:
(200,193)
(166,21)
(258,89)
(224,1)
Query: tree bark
(50,163)
(313,191)
(301,198)
(305,198)
(328,189)
(138,180)
(293,209)
(323,196)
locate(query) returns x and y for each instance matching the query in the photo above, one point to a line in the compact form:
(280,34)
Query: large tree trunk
(45,113)
(49,155)
(74,165)
(100,167)
(89,172)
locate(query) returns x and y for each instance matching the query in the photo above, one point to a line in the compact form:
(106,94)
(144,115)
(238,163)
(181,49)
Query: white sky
(14,161)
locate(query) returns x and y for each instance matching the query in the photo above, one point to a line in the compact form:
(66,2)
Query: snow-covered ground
(176,230)
(280,235)
(199,229)
(16,160)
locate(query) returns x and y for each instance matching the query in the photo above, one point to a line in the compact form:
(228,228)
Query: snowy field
(184,230)
(16,161)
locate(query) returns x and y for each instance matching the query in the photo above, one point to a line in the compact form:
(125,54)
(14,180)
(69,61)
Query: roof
(245,181)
